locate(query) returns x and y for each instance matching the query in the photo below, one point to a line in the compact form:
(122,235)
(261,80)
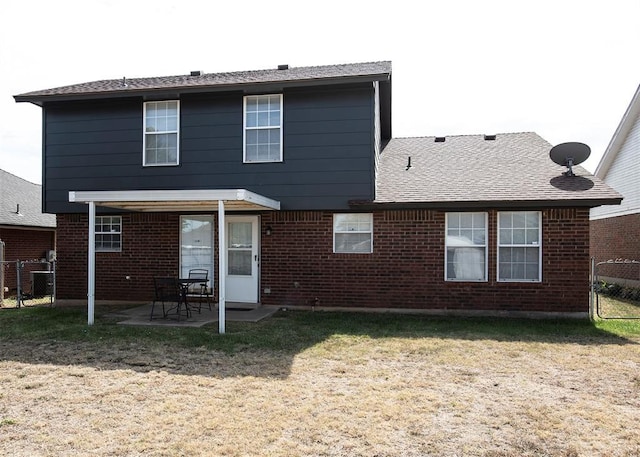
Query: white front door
(242,259)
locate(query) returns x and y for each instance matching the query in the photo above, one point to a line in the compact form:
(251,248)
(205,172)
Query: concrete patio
(235,312)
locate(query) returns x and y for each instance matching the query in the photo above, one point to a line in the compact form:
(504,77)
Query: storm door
(242,259)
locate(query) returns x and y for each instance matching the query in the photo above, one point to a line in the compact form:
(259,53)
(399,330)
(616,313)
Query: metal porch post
(222,267)
(91,264)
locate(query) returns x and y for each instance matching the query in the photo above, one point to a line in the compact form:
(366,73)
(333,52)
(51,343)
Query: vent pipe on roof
(440,139)
(196,73)
(124,82)
(283,67)
(489,137)
(408,163)
(18,209)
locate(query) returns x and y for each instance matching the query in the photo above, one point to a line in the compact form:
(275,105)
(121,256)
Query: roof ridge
(237,72)
(462,135)
(199,79)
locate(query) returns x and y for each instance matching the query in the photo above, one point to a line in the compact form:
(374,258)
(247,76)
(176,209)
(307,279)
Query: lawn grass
(318,384)
(293,331)
(612,307)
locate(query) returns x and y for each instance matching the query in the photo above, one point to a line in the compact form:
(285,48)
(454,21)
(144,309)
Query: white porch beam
(91,264)
(222,267)
(157,198)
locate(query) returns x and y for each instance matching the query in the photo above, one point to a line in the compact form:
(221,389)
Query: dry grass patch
(414,391)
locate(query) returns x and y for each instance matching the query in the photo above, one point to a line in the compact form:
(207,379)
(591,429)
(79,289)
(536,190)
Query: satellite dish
(569,154)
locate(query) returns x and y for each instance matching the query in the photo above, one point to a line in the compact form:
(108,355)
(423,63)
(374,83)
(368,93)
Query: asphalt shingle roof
(16,191)
(513,168)
(375,70)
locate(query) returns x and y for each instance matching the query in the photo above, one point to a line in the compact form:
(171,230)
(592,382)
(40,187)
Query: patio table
(184,284)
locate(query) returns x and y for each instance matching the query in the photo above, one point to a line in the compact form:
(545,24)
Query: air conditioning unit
(51,256)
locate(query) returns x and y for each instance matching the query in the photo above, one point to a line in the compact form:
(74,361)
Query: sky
(564,69)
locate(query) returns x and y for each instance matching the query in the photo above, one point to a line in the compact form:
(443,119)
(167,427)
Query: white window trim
(539,246)
(108,233)
(245,128)
(354,231)
(485,246)
(145,133)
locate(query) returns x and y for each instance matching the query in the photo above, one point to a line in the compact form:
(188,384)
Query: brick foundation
(406,269)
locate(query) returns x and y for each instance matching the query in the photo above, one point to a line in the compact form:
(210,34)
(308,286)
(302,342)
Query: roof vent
(196,73)
(489,138)
(124,82)
(440,139)
(283,67)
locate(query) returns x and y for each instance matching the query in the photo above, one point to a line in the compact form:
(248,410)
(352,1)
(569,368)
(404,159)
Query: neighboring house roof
(285,77)
(619,166)
(514,169)
(21,203)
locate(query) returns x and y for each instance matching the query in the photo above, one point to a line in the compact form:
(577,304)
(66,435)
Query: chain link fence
(616,289)
(27,283)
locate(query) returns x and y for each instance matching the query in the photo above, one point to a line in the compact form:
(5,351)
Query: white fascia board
(248,196)
(114,196)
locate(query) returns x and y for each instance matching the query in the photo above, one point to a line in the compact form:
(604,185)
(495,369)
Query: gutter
(457,205)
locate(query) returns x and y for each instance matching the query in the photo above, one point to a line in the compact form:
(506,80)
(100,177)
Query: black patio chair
(167,291)
(201,289)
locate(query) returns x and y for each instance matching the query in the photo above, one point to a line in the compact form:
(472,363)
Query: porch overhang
(170,201)
(176,200)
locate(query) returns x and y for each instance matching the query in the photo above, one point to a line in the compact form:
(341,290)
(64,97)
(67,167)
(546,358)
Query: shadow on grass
(60,336)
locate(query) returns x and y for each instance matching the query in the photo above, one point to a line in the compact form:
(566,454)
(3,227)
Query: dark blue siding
(328,149)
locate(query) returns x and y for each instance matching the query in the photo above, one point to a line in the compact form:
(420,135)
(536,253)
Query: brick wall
(150,247)
(406,269)
(616,238)
(23,244)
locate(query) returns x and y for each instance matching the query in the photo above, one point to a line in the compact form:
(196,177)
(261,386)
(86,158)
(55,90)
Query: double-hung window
(108,233)
(466,247)
(519,246)
(263,128)
(353,233)
(161,138)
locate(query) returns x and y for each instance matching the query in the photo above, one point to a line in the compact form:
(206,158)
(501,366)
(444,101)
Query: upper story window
(108,233)
(353,233)
(161,126)
(519,246)
(263,128)
(466,247)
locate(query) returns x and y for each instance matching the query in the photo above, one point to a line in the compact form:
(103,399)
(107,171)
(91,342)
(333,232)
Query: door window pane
(240,235)
(240,245)
(196,244)
(239,263)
